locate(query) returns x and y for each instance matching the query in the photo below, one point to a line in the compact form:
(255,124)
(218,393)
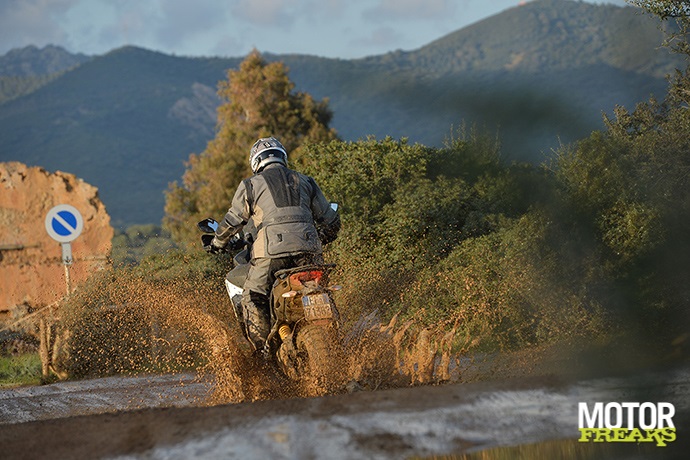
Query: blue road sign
(64,223)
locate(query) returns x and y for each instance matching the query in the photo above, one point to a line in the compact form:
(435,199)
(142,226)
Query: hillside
(124,121)
(540,74)
(31,61)
(545,36)
(24,70)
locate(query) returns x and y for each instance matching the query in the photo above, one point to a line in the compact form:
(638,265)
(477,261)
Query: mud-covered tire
(318,355)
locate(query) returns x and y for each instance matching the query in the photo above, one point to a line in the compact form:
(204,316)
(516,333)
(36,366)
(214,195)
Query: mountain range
(538,75)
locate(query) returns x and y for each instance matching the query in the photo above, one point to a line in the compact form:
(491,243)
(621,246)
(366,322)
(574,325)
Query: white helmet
(265,151)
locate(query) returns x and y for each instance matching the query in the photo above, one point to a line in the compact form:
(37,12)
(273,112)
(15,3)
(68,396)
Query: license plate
(317,306)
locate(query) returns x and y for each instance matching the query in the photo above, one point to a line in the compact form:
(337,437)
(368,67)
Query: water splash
(143,324)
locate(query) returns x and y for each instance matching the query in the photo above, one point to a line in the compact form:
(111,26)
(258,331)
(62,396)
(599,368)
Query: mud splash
(374,355)
(144,324)
(135,325)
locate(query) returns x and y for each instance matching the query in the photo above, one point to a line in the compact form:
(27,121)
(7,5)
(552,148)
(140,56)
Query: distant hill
(539,74)
(24,70)
(545,36)
(31,61)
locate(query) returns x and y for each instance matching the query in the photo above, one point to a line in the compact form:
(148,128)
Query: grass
(20,370)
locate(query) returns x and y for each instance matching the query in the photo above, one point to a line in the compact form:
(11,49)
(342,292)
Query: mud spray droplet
(144,324)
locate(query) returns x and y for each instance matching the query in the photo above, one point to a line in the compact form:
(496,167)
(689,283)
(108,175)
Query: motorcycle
(304,337)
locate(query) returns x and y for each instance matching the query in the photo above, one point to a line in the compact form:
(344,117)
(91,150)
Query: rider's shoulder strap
(250,194)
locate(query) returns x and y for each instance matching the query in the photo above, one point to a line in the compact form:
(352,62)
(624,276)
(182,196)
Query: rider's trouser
(255,297)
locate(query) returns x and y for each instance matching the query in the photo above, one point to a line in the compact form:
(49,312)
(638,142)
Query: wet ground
(98,396)
(165,417)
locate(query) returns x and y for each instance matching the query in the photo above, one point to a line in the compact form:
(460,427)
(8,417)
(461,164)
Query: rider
(292,218)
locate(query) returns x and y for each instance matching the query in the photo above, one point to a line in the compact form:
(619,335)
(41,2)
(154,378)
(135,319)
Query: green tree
(138,241)
(632,182)
(259,101)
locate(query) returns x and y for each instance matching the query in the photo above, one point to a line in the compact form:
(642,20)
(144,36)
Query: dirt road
(48,422)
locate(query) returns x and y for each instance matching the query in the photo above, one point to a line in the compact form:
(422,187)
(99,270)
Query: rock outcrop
(31,268)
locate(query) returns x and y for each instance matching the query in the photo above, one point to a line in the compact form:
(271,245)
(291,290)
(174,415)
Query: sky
(344,29)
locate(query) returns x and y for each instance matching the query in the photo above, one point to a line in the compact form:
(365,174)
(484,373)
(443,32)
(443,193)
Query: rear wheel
(318,356)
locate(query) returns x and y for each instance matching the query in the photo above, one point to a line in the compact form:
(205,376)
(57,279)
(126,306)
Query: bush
(138,241)
(453,238)
(504,290)
(631,187)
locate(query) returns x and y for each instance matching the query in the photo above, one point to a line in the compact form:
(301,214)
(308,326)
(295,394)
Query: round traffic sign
(64,223)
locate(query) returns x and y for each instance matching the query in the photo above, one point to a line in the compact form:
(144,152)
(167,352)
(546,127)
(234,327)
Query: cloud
(177,26)
(285,13)
(182,20)
(124,23)
(32,22)
(270,13)
(327,11)
(262,23)
(391,10)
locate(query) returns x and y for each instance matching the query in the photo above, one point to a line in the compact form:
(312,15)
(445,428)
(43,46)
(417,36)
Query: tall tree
(259,101)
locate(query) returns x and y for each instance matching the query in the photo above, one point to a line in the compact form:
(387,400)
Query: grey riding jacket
(286,207)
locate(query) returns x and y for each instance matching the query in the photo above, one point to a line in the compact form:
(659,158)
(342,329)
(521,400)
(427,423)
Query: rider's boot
(257,324)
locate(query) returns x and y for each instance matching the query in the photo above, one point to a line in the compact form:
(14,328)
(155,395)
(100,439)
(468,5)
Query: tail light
(297,280)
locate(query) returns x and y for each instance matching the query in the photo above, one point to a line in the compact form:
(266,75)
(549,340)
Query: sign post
(64,224)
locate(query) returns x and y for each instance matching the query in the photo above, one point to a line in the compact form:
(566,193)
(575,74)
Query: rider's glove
(214,246)
(236,242)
